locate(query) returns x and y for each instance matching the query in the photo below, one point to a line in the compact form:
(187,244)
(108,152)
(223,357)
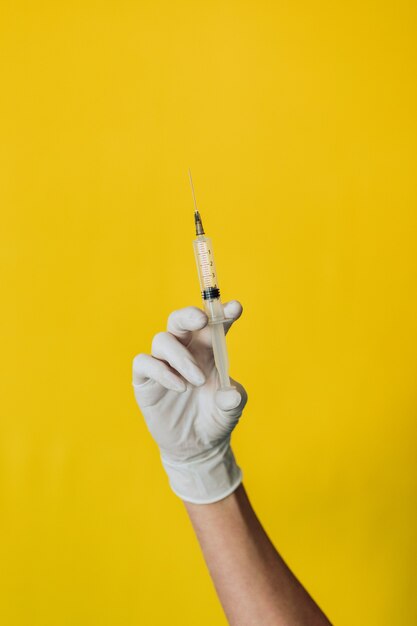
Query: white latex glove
(190,420)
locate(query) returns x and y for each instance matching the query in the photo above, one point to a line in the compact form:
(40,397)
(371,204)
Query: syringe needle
(192,189)
(199,230)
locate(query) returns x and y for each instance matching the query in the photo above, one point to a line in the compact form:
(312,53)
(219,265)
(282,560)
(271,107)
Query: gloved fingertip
(233,309)
(227,399)
(198,320)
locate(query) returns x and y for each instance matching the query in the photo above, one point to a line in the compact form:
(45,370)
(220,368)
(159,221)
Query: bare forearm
(171,385)
(254,584)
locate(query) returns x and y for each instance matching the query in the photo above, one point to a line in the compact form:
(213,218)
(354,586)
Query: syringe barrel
(213,306)
(209,285)
(204,257)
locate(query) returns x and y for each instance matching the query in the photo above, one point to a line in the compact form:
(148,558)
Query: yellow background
(298,121)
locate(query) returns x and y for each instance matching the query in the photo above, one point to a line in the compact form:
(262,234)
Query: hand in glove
(189,418)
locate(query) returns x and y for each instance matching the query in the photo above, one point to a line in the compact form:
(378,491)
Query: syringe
(210,292)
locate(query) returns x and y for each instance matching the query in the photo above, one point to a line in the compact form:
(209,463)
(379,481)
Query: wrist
(206,478)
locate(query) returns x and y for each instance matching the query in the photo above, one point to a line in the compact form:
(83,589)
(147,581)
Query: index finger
(183,322)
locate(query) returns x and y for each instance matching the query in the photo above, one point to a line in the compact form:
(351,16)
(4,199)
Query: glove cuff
(205,480)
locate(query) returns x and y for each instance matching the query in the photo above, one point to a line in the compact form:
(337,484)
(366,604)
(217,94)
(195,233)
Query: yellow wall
(298,121)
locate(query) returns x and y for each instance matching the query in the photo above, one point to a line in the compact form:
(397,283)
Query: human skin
(253,583)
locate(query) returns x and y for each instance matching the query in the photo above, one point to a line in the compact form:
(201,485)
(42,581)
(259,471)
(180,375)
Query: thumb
(227,399)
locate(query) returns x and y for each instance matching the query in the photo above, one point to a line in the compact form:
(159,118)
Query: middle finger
(167,347)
